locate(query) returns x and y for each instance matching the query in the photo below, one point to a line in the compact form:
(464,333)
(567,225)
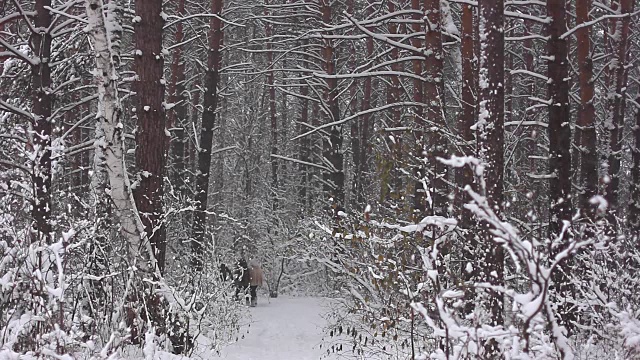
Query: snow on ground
(281,329)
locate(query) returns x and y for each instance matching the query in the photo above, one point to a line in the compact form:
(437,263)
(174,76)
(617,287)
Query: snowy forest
(460,177)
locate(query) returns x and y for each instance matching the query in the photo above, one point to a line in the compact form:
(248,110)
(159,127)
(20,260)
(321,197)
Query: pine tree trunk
(617,106)
(633,219)
(464,175)
(367,122)
(559,149)
(418,97)
(150,112)
(434,96)
(394,89)
(356,183)
(210,104)
(305,142)
(272,114)
(42,127)
(490,132)
(332,143)
(586,115)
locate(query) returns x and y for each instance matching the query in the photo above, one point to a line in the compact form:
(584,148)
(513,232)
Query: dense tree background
(465,173)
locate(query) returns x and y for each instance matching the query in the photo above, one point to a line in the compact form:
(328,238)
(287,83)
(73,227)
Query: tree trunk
(272,113)
(110,145)
(418,97)
(434,95)
(617,105)
(464,175)
(42,126)
(150,111)
(356,182)
(305,142)
(210,104)
(395,183)
(367,122)
(490,132)
(332,144)
(586,115)
(559,148)
(633,219)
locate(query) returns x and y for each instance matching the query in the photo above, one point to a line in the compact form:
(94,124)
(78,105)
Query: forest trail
(282,329)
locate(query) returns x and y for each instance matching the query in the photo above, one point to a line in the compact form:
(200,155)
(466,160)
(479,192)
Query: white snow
(281,328)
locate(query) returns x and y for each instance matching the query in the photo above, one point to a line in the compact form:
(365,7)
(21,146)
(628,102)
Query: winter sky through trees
(460,179)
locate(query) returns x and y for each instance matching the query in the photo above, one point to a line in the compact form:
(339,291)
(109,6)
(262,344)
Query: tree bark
(559,149)
(367,122)
(434,95)
(490,132)
(464,175)
(332,144)
(42,127)
(272,113)
(210,104)
(305,142)
(586,115)
(418,97)
(356,181)
(617,106)
(110,144)
(150,136)
(633,219)
(395,183)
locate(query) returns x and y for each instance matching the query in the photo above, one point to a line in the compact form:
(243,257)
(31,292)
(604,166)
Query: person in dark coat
(256,277)
(225,272)
(241,279)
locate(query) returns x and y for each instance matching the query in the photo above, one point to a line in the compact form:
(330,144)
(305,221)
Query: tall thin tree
(586,115)
(490,135)
(560,209)
(43,98)
(332,143)
(210,104)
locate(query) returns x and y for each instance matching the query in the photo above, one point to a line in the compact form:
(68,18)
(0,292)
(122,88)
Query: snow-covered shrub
(406,294)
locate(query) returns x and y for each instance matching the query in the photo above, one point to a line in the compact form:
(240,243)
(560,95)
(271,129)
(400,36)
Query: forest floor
(281,329)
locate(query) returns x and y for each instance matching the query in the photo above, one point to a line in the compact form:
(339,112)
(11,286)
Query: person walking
(256,277)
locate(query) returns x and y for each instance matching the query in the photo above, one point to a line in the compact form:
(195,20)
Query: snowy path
(286,328)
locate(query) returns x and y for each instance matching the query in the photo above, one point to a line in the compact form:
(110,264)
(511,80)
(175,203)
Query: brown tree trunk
(586,115)
(559,148)
(356,182)
(272,113)
(305,142)
(42,126)
(365,147)
(434,94)
(491,149)
(464,175)
(617,105)
(332,144)
(190,146)
(210,104)
(633,219)
(150,111)
(418,97)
